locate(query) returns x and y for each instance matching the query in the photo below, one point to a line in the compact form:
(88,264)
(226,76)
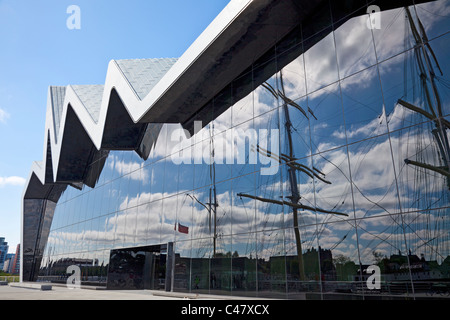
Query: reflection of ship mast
(293,167)
(434,113)
(426,64)
(212,205)
(212,191)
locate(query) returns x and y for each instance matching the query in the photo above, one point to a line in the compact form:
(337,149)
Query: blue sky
(38,50)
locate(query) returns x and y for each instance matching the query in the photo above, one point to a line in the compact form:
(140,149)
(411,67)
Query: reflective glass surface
(330,173)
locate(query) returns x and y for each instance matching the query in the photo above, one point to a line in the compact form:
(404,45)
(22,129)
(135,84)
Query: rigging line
(319,232)
(382,231)
(383,240)
(417,216)
(408,224)
(351,182)
(433,13)
(246,214)
(422,41)
(182,204)
(364,154)
(377,236)
(389,25)
(405,61)
(395,175)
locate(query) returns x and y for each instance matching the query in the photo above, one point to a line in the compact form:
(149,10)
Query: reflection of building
(307,88)
(7,265)
(3,252)
(11,262)
(15,269)
(56,271)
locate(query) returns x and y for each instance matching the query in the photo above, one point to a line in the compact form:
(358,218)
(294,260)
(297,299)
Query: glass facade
(330,169)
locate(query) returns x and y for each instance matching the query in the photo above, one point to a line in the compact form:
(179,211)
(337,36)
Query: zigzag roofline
(210,53)
(117,81)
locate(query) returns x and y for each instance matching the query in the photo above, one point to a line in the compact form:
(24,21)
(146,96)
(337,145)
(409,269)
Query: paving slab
(34,292)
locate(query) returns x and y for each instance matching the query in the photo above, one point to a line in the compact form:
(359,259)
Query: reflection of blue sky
(348,142)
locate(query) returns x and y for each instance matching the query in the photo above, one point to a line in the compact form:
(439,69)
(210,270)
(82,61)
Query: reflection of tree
(345,268)
(377,257)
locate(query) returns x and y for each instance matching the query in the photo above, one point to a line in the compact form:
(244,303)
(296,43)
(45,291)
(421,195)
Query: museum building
(297,150)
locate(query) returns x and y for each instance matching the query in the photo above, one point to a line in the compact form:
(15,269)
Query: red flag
(183,229)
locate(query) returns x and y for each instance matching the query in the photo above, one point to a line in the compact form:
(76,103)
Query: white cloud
(12,181)
(3,116)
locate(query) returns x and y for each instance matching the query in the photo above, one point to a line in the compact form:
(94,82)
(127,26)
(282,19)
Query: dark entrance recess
(138,268)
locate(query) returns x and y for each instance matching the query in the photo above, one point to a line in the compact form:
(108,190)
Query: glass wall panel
(168,218)
(268,177)
(294,80)
(154,221)
(243,204)
(221,277)
(441,68)
(94,233)
(242,110)
(382,243)
(202,149)
(244,139)
(339,258)
(373,177)
(271,263)
(417,156)
(129,227)
(328,169)
(389,34)
(88,236)
(244,264)
(265,96)
(222,154)
(321,64)
(223,121)
(333,192)
(104,236)
(182,273)
(186,208)
(362,100)
(302,270)
(202,213)
(433,15)
(201,255)
(328,121)
(354,47)
(57,218)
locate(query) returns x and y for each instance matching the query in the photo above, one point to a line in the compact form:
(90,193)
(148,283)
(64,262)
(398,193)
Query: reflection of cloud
(134,169)
(371,201)
(373,128)
(355,51)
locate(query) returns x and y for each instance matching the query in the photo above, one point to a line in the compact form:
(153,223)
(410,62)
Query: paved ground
(33,292)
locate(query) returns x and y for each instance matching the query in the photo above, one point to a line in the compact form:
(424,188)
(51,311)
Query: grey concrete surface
(34,292)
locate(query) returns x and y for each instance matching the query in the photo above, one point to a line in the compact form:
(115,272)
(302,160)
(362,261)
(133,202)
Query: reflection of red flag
(183,229)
